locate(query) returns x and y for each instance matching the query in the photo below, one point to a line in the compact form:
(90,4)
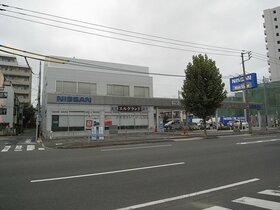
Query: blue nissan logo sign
(74,99)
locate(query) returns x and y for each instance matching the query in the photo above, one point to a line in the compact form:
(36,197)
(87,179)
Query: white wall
(102,77)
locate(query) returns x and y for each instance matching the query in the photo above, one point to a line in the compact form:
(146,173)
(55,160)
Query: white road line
(129,148)
(107,172)
(257,142)
(258,203)
(30,147)
(6,149)
(217,208)
(41,148)
(259,137)
(188,139)
(189,195)
(18,148)
(233,136)
(270,192)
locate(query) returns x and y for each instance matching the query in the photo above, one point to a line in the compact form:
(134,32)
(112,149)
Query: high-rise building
(272,39)
(20,77)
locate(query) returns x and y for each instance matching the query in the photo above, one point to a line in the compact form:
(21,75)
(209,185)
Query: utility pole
(265,101)
(38,118)
(246,90)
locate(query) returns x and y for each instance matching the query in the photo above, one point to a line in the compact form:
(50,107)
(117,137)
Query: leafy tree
(203,89)
(29,120)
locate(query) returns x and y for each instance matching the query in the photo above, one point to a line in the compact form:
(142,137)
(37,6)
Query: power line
(264,56)
(63,61)
(265,60)
(118,29)
(122,34)
(120,39)
(84,64)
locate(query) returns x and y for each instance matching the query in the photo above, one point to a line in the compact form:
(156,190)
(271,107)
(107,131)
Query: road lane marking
(107,172)
(270,192)
(233,136)
(189,195)
(18,148)
(41,148)
(257,142)
(188,139)
(30,147)
(258,203)
(259,137)
(217,208)
(6,149)
(129,148)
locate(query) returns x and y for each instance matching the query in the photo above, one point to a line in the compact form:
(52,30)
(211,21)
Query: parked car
(238,123)
(173,125)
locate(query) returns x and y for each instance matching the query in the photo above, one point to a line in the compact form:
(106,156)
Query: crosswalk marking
(6,149)
(18,148)
(258,203)
(217,208)
(30,147)
(270,192)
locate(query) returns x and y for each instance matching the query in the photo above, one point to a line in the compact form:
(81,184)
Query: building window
(69,87)
(117,90)
(87,88)
(275,19)
(68,123)
(274,11)
(276,26)
(277,34)
(58,87)
(66,87)
(278,50)
(3,111)
(278,42)
(141,91)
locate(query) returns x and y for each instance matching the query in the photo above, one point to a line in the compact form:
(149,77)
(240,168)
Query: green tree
(29,120)
(203,88)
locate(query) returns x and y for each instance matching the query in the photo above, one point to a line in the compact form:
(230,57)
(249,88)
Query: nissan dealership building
(114,95)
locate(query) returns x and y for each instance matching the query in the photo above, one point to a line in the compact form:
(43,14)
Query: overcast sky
(234,24)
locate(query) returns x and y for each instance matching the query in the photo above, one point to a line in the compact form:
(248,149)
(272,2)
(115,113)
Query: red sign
(108,122)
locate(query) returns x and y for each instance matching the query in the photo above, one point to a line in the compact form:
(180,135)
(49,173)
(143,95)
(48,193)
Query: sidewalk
(139,138)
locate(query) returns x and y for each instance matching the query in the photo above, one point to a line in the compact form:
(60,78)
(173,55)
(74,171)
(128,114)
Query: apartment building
(272,39)
(20,76)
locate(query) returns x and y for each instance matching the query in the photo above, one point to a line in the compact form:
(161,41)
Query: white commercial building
(115,95)
(272,39)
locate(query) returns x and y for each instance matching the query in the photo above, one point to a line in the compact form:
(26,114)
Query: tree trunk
(204,123)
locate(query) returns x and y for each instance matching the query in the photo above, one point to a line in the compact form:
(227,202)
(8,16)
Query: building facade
(112,94)
(10,109)
(272,39)
(20,77)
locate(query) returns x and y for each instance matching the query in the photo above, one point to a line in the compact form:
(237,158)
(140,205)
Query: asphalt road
(222,173)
